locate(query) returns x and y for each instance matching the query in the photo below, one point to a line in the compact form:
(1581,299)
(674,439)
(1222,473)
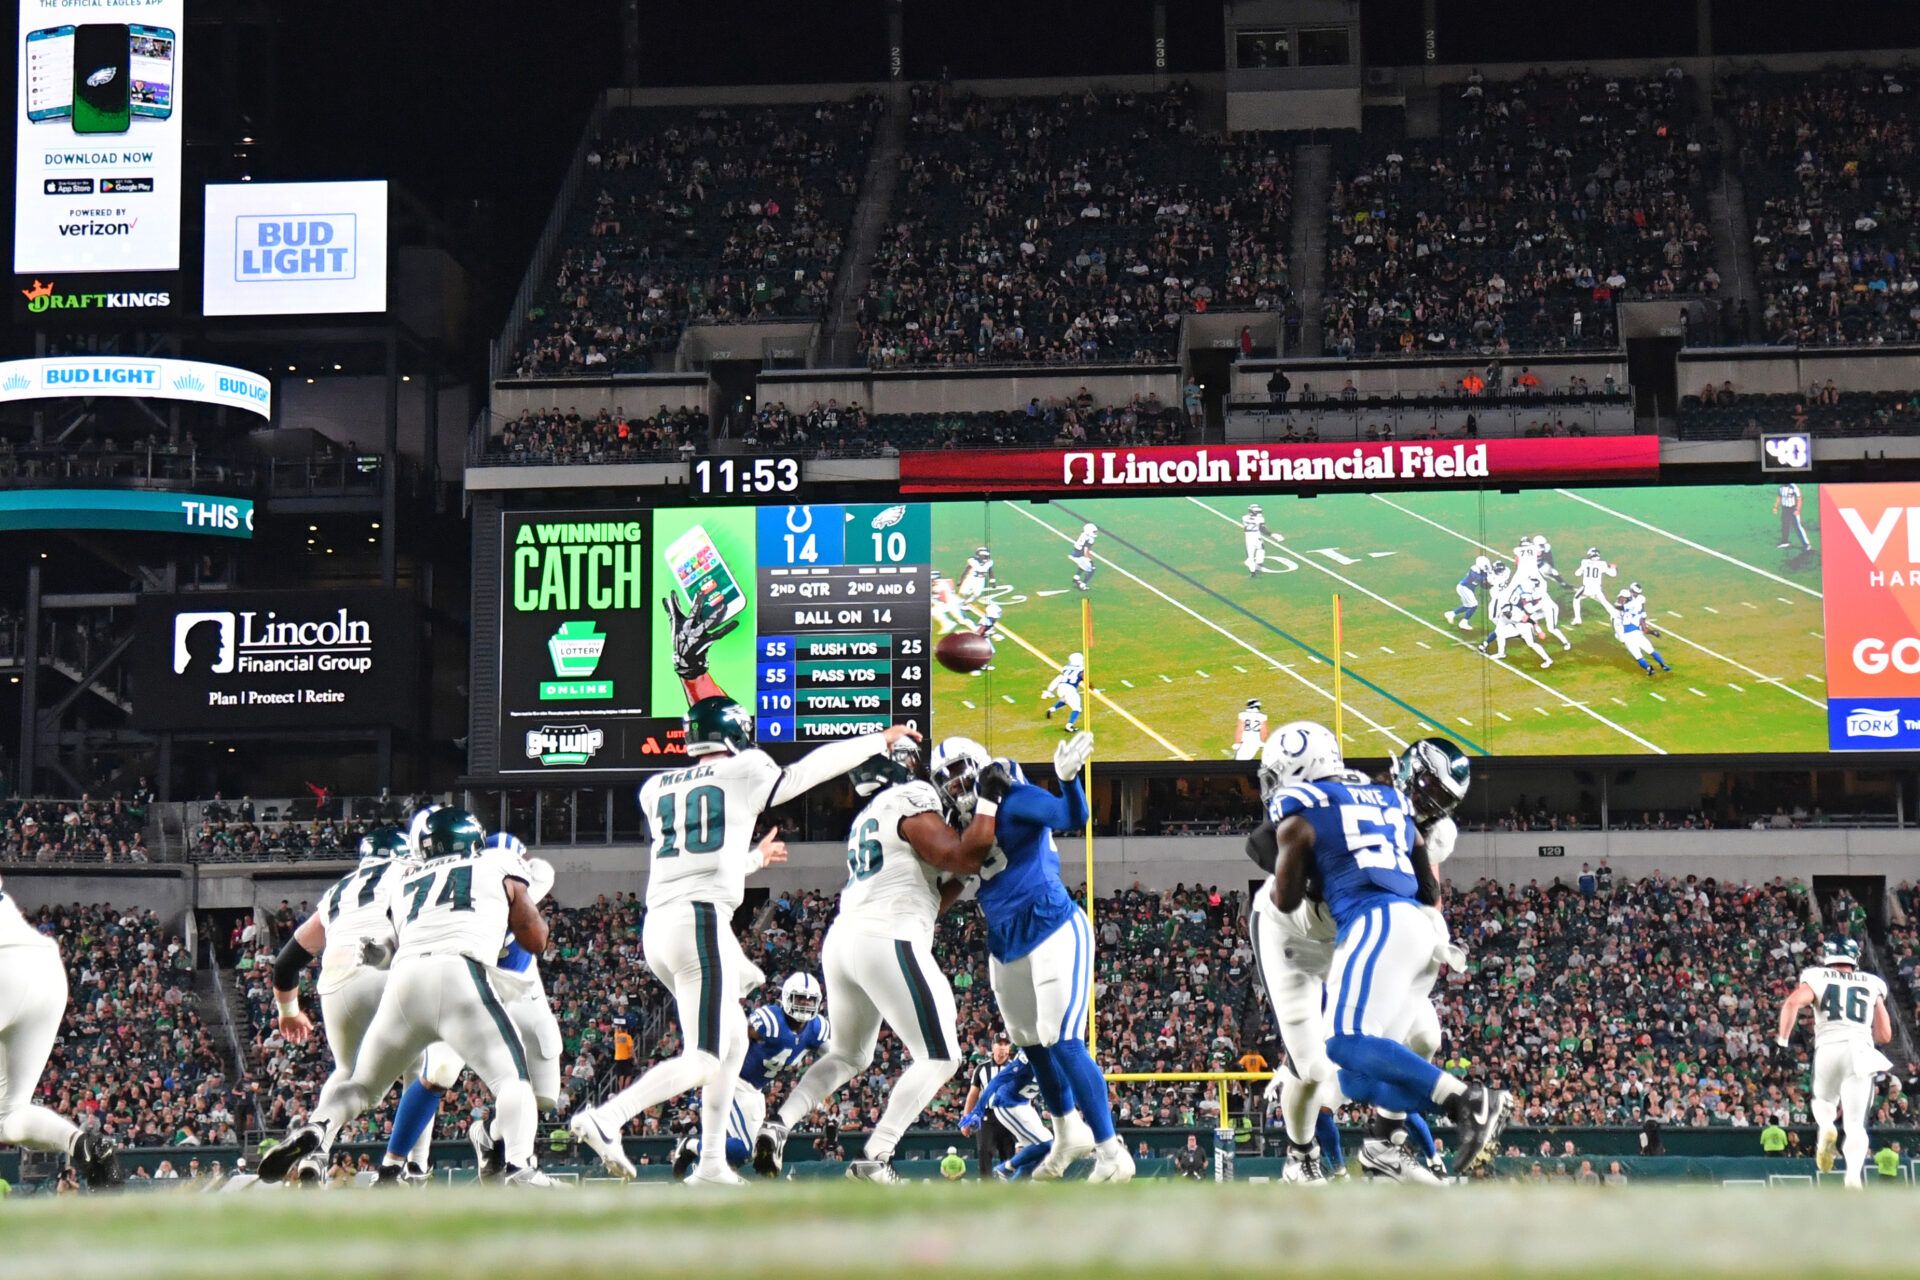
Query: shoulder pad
(1298,797)
(821,1028)
(917,796)
(765,1021)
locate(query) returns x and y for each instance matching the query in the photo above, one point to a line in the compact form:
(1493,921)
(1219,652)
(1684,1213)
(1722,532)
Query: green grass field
(1183,635)
(968,1230)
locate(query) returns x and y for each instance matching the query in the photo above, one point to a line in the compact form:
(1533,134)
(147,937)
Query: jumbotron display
(1550,622)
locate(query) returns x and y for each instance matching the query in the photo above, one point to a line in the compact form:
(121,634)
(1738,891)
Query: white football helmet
(1299,751)
(993,611)
(1089,529)
(1076,659)
(801,997)
(1253,508)
(505,840)
(955,766)
(1541,544)
(1481,564)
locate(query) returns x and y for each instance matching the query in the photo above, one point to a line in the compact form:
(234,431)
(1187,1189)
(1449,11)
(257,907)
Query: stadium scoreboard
(844,621)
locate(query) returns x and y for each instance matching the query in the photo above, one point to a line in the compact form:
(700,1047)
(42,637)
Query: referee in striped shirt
(995,1141)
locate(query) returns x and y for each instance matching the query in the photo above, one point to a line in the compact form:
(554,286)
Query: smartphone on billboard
(50,74)
(150,53)
(704,578)
(100,56)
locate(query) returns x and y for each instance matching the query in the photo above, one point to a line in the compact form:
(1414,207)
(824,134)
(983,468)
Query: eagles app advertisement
(97,164)
(576,619)
(276,660)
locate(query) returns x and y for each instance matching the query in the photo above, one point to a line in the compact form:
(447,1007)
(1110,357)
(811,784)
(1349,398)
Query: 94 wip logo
(564,744)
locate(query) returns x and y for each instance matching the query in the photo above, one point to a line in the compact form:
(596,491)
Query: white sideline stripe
(1277,665)
(1504,716)
(1007,697)
(1744,668)
(1127,683)
(1463,720)
(1242,670)
(1695,692)
(1423,644)
(1736,688)
(1688,542)
(1115,707)
(1384,649)
(1658,698)
(1203,675)
(1166,679)
(968,705)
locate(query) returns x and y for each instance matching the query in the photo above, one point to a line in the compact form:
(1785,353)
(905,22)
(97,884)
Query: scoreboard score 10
(844,621)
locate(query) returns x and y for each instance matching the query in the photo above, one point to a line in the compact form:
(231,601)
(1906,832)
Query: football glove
(971,1121)
(1072,755)
(994,783)
(693,634)
(376,954)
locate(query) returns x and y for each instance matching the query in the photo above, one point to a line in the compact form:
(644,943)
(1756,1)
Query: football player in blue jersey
(1468,589)
(1039,943)
(1010,1095)
(1356,842)
(778,1037)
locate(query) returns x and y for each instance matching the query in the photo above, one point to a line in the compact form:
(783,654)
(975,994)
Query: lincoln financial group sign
(277,660)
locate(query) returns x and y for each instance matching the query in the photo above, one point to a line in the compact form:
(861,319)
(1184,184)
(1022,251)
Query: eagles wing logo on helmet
(718,724)
(451,833)
(1434,775)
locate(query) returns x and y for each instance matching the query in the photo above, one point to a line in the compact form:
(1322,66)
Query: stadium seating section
(1828,163)
(708,214)
(1077,228)
(83,830)
(1540,203)
(1823,410)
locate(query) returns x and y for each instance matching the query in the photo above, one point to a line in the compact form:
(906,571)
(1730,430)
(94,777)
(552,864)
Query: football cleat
(527,1177)
(97,1161)
(1303,1166)
(1111,1162)
(1072,1139)
(770,1149)
(311,1172)
(685,1156)
(1480,1114)
(277,1163)
(488,1157)
(586,1128)
(414,1175)
(1824,1153)
(721,1177)
(1382,1158)
(873,1171)
(390,1175)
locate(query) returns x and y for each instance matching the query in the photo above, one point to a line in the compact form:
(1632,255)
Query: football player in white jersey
(1082,556)
(905,866)
(1513,620)
(33,999)
(946,607)
(517,978)
(352,911)
(700,820)
(1593,571)
(978,574)
(1249,731)
(1849,1019)
(1064,689)
(1254,525)
(449,916)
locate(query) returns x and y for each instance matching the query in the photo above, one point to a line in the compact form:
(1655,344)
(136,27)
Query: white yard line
(1789,583)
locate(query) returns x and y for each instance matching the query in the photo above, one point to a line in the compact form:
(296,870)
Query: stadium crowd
(711,215)
(1070,229)
(83,830)
(612,435)
(1829,164)
(1543,201)
(133,1056)
(1602,1000)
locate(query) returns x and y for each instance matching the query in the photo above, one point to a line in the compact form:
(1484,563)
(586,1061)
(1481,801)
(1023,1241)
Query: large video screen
(829,631)
(1486,616)
(99,129)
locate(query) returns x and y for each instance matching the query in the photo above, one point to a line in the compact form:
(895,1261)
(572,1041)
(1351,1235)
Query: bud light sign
(295,248)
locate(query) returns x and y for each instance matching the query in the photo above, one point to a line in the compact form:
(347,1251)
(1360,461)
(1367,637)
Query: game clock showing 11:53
(759,477)
(844,620)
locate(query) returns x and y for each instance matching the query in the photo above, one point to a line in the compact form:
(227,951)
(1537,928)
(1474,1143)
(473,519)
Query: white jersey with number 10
(701,820)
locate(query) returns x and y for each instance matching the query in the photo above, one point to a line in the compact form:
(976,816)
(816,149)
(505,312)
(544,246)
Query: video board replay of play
(1766,619)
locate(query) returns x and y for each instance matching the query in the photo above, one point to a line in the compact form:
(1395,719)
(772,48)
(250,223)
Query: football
(964,651)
